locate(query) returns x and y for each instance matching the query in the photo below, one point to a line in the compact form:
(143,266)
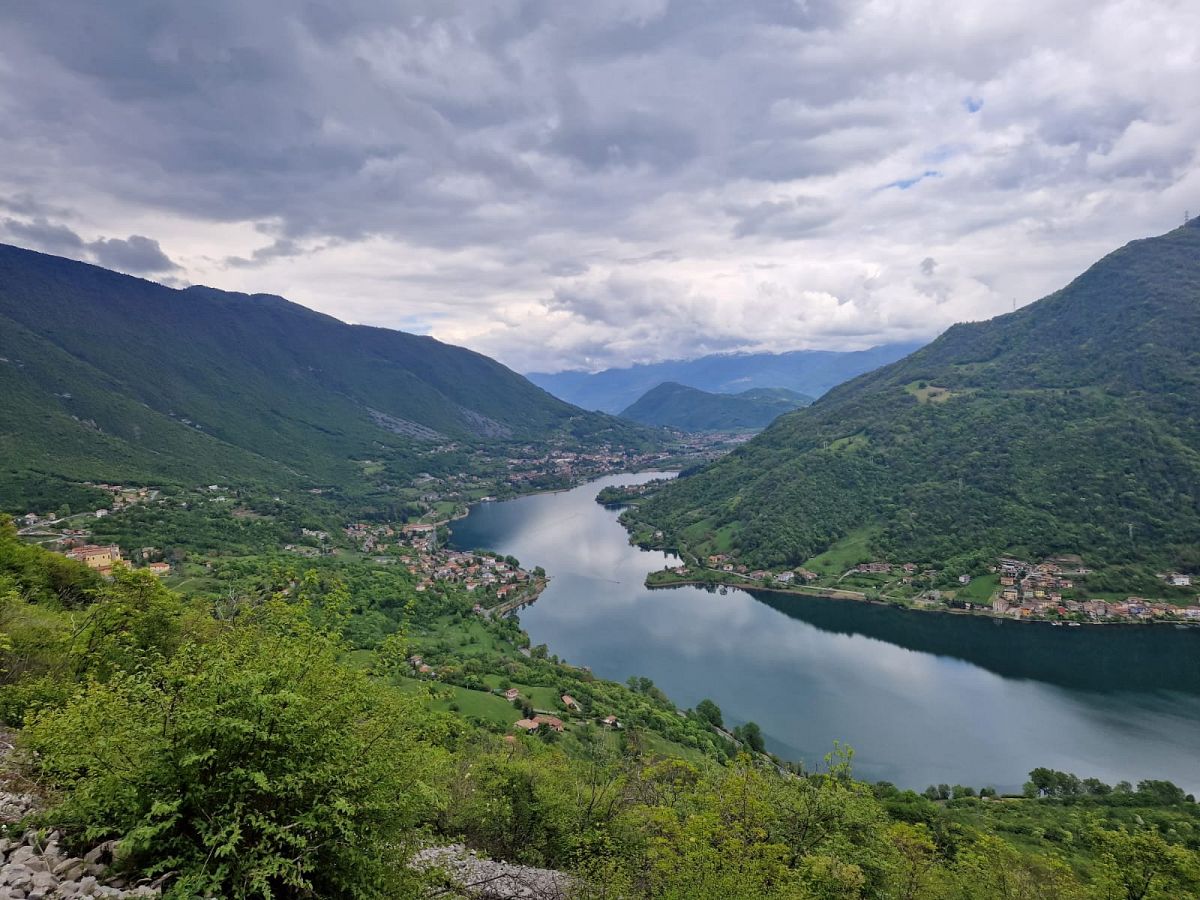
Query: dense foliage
(689,409)
(236,742)
(1069,426)
(108,377)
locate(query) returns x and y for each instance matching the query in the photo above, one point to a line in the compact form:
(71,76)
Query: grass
(980,589)
(477,705)
(541,697)
(469,704)
(465,636)
(854,548)
(660,745)
(442,509)
(930,393)
(722,539)
(699,532)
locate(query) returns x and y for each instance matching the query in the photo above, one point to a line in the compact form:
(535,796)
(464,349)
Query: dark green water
(922,698)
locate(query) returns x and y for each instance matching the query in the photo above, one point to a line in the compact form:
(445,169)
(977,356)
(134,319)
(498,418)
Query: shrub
(253,765)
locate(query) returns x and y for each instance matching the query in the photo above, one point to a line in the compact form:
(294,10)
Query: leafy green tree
(710,712)
(990,868)
(1139,865)
(751,735)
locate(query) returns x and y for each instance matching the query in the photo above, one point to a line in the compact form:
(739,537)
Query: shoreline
(857,597)
(508,607)
(542,492)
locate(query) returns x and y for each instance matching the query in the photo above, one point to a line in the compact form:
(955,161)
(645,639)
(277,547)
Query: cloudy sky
(584,184)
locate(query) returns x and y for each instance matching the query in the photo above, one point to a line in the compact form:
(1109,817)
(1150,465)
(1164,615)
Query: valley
(522,613)
(608,451)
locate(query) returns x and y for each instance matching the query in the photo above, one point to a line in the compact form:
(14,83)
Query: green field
(980,589)
(851,550)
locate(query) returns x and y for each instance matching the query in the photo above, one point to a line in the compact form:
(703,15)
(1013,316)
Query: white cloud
(560,185)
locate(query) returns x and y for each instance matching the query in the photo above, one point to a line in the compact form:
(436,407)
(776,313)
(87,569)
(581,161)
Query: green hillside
(675,405)
(1071,425)
(110,377)
(273,740)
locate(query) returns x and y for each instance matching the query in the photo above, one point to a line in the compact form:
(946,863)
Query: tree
(991,868)
(1161,793)
(1137,865)
(751,735)
(710,712)
(917,855)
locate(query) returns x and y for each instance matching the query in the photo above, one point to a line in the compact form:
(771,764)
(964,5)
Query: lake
(921,697)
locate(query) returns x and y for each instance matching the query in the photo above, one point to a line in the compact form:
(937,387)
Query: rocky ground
(33,866)
(37,868)
(491,880)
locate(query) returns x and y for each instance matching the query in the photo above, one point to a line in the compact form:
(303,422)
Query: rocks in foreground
(34,868)
(492,880)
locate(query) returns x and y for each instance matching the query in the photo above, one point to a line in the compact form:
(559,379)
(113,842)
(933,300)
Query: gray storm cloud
(603,183)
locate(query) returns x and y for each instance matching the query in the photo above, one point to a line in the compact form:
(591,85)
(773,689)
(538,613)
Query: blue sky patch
(905,183)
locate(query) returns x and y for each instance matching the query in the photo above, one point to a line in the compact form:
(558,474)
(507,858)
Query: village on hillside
(68,533)
(1050,590)
(415,546)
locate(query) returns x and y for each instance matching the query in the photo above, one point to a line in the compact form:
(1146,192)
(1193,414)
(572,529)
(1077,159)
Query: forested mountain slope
(1071,425)
(690,409)
(808,372)
(109,377)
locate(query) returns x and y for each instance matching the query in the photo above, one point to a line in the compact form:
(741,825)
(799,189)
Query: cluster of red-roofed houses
(723,563)
(417,543)
(535,722)
(1036,590)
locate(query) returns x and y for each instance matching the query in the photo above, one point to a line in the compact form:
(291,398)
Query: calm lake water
(922,698)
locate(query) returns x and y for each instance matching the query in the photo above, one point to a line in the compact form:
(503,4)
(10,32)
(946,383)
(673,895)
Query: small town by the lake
(633,450)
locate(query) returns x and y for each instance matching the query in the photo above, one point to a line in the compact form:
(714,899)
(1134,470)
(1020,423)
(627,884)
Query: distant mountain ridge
(807,372)
(1070,425)
(105,376)
(675,405)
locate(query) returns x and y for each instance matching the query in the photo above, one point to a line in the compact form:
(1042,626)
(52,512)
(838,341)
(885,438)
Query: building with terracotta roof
(94,556)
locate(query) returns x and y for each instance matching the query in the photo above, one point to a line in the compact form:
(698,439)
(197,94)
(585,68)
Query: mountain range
(808,372)
(675,405)
(1071,425)
(109,377)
